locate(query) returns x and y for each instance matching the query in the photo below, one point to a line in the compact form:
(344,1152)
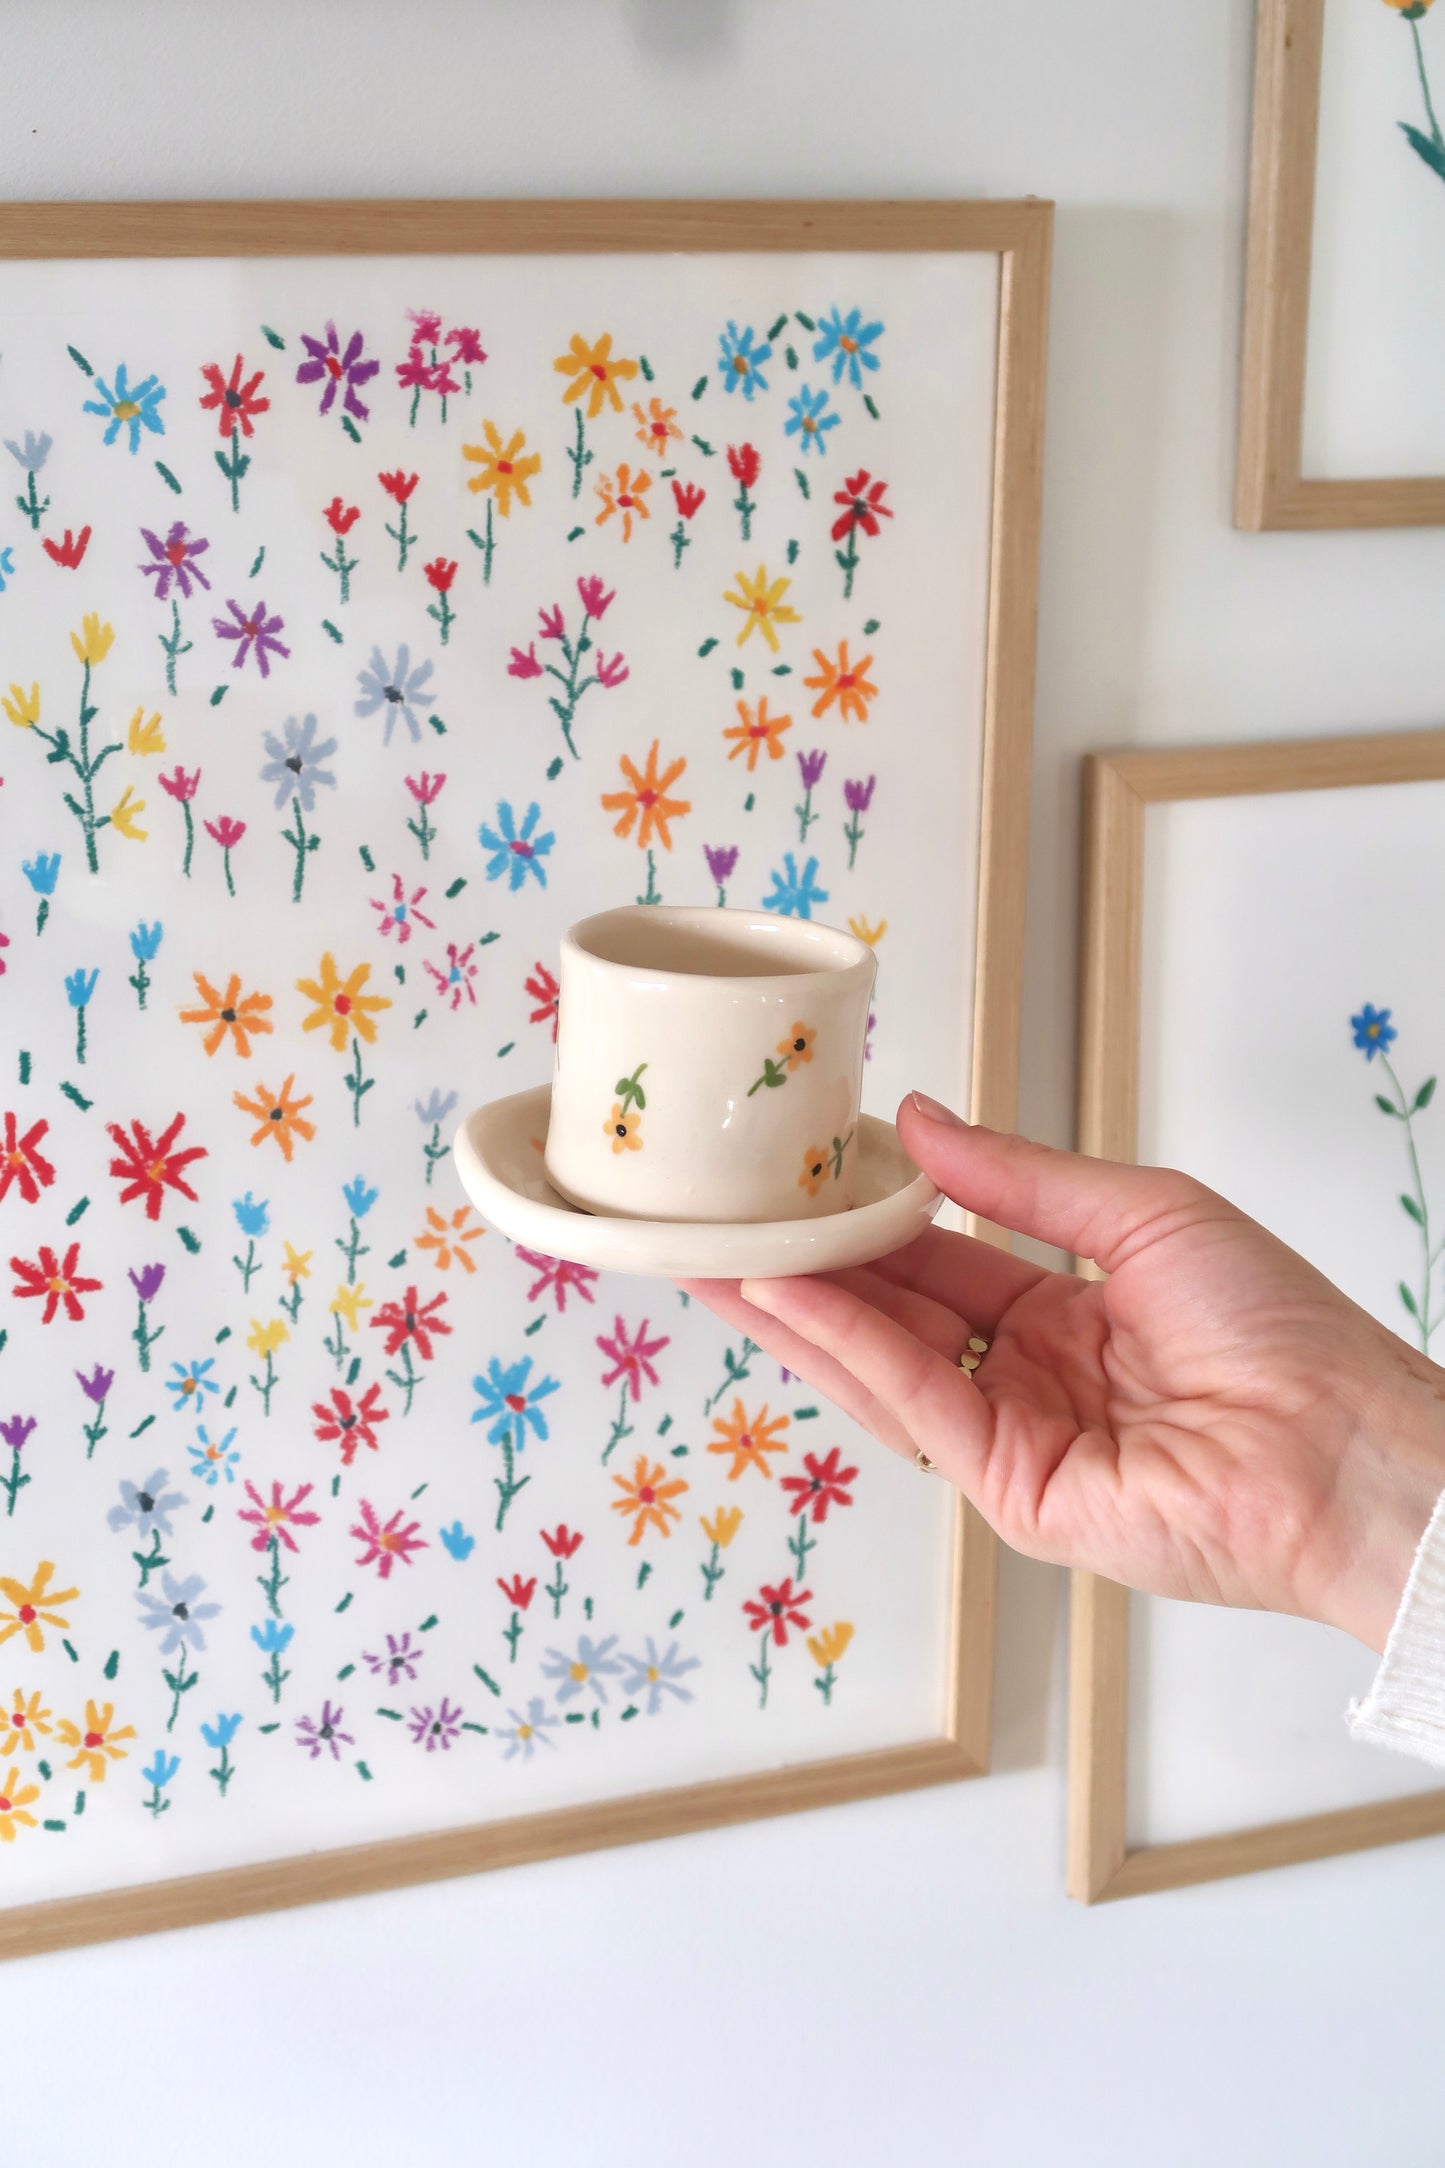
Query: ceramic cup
(709,1065)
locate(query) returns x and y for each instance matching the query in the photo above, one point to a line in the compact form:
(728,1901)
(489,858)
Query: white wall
(844,1988)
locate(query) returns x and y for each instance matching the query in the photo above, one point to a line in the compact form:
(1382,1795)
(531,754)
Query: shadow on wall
(686,30)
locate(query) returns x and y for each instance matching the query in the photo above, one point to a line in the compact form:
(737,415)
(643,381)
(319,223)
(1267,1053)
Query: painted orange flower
(845,682)
(242,1015)
(595,371)
(797,1048)
(503,468)
(646,795)
(815,1170)
(32,1606)
(749,1439)
(647,1495)
(624,493)
(762,600)
(622,1125)
(657,425)
(341,1006)
(279,1115)
(758,732)
(448,1237)
(97,1745)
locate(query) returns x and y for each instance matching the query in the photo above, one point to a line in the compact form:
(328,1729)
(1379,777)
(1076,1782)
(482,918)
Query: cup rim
(842,960)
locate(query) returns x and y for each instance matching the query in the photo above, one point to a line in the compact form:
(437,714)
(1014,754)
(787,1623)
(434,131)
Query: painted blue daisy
(190,1383)
(657,1675)
(509,1402)
(742,360)
(1373,1031)
(398,688)
(524,1732)
(794,894)
(31,452)
(212,1458)
(295,765)
(588,1666)
(809,419)
(516,853)
(252,1218)
(130,407)
(847,342)
(178,1615)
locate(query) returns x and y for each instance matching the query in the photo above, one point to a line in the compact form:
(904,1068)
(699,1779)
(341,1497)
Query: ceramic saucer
(498,1154)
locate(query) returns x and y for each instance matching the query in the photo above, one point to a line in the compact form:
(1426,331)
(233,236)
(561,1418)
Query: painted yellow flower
(14,1800)
(504,470)
(723,1526)
(22,708)
(758,732)
(32,1606)
(762,600)
(93,641)
(1412,10)
(623,1125)
(647,1495)
(296,1264)
(341,1006)
(448,1237)
(595,371)
(624,493)
(845,682)
(657,425)
(125,815)
(21,1722)
(797,1048)
(646,796)
(827,1646)
(97,1745)
(864,932)
(264,1340)
(749,1439)
(145,736)
(349,1303)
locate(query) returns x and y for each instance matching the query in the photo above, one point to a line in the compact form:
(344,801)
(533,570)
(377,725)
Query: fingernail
(931,1111)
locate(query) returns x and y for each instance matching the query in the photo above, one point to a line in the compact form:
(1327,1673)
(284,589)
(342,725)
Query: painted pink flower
(275,1520)
(524,665)
(426,789)
(468,345)
(226,831)
(610,673)
(631,1358)
(180,785)
(595,597)
(402,910)
(556,1275)
(552,623)
(386,1541)
(456,982)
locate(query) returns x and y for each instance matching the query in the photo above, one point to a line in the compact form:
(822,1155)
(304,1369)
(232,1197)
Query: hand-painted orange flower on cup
(503,469)
(240,1015)
(624,1123)
(844,682)
(797,1048)
(624,495)
(815,1170)
(647,1496)
(644,804)
(757,732)
(761,599)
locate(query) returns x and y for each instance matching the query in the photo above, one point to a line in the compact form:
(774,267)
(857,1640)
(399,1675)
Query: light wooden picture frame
(1017,237)
(1270,489)
(1120,787)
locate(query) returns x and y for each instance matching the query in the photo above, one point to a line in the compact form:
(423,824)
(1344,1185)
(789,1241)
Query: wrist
(1390,1483)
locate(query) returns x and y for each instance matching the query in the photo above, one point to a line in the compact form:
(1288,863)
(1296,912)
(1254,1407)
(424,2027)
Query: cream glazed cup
(709,1065)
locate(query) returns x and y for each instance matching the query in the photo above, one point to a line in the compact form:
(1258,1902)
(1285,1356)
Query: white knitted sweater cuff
(1405,1707)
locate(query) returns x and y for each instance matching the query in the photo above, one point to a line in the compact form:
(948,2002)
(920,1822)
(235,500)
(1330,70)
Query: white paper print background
(884,1564)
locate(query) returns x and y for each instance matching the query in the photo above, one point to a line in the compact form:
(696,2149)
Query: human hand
(1212,1420)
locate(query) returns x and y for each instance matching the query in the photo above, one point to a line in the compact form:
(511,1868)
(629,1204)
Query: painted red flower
(517,1591)
(70,551)
(687,497)
(440,573)
(544,990)
(631,1359)
(777,1609)
(274,1521)
(21,1160)
(744,464)
(863,499)
(824,1484)
(558,1274)
(234,402)
(226,831)
(149,1166)
(352,1422)
(341,518)
(399,485)
(563,1542)
(411,1319)
(180,786)
(57,1282)
(386,1541)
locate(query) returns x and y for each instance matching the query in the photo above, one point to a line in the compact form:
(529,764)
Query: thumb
(1095,1208)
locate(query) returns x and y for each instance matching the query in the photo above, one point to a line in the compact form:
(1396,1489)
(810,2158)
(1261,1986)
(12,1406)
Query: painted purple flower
(868,1037)
(400,1661)
(437,1727)
(859,796)
(332,365)
(320,1733)
(720,861)
(147,1282)
(16,1429)
(257,629)
(174,559)
(810,766)
(97,1385)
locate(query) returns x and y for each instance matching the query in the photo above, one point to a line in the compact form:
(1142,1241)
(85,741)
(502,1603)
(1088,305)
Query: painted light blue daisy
(147,1505)
(212,1458)
(31,452)
(847,342)
(516,853)
(178,1615)
(809,419)
(145,941)
(655,1676)
(129,407)
(525,1732)
(359,1199)
(509,1402)
(7,567)
(794,894)
(592,1663)
(272,1637)
(252,1218)
(190,1382)
(1373,1031)
(222,1732)
(79,987)
(397,689)
(743,355)
(434,1108)
(295,766)
(42,872)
